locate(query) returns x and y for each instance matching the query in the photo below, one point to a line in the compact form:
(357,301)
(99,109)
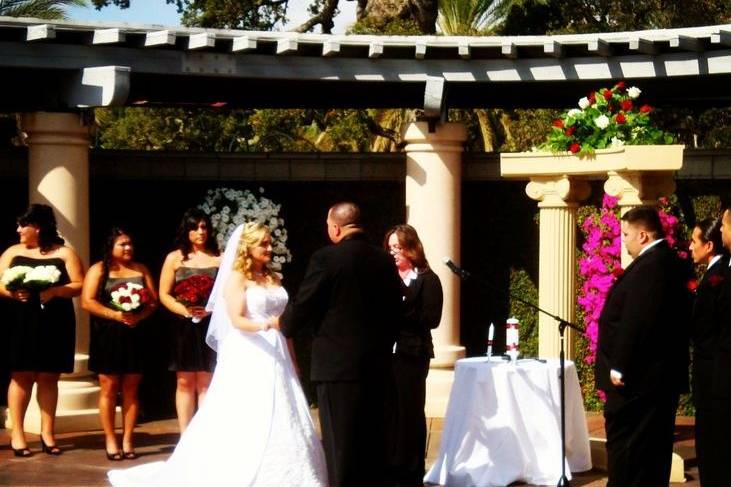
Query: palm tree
(41,9)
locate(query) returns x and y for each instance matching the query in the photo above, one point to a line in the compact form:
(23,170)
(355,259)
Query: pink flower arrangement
(600,264)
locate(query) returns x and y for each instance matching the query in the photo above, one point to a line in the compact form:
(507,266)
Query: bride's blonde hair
(252,235)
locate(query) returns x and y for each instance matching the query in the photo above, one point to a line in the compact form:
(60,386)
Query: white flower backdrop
(229,208)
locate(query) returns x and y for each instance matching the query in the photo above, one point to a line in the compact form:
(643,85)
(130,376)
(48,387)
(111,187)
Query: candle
(512,337)
(490,335)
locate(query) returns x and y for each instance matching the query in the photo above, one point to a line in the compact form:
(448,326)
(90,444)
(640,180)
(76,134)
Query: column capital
(635,188)
(446,137)
(55,128)
(557,191)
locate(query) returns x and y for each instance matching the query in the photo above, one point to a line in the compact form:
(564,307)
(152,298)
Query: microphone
(463,274)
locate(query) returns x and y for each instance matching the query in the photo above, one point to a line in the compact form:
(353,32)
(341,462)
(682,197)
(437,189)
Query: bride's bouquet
(129,297)
(194,291)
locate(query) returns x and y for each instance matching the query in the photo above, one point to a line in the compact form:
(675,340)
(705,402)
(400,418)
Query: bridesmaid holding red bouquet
(186,281)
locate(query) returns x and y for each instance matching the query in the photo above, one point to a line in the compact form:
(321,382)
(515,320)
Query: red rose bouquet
(129,297)
(194,291)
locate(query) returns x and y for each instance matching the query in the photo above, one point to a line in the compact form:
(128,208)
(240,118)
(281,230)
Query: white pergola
(51,69)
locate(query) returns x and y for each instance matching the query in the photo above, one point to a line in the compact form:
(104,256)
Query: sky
(161,13)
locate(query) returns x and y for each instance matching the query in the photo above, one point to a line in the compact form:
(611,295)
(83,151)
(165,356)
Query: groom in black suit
(350,300)
(642,359)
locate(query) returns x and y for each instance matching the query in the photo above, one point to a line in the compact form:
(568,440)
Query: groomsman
(642,359)
(350,300)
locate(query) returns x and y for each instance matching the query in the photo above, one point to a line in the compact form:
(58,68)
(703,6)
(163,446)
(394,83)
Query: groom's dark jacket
(350,301)
(644,326)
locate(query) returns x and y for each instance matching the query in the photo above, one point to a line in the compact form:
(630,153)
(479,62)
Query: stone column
(58,175)
(636,188)
(558,199)
(433,207)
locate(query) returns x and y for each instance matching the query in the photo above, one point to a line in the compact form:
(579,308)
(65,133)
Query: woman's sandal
(50,449)
(129,455)
(21,452)
(114,457)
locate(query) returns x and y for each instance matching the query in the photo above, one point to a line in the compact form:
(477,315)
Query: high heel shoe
(20,452)
(129,455)
(114,457)
(50,449)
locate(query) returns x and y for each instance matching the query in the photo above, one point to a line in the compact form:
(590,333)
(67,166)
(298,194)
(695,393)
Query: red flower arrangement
(194,291)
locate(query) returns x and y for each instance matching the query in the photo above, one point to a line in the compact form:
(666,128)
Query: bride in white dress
(254,427)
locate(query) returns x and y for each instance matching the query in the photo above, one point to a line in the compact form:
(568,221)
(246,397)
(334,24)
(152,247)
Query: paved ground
(83,462)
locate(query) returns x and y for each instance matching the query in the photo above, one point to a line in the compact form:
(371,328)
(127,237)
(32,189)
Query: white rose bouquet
(12,277)
(41,277)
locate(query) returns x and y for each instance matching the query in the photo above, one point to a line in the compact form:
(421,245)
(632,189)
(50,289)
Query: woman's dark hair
(114,233)
(42,216)
(711,232)
(191,219)
(411,246)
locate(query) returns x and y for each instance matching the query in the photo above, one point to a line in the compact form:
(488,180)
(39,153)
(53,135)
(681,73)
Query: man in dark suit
(350,300)
(642,359)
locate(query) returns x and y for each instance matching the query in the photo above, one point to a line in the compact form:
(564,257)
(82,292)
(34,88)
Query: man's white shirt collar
(715,259)
(649,246)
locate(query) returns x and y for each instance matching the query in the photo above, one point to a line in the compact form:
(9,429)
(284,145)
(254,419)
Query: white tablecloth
(503,425)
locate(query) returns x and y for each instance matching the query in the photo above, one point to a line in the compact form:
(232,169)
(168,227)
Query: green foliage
(521,285)
(176,129)
(222,14)
(42,9)
(539,17)
(381,26)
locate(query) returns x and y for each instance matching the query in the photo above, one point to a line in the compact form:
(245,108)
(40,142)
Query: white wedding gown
(254,427)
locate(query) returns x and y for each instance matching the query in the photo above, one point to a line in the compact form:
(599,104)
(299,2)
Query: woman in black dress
(117,345)
(42,331)
(422,292)
(707,249)
(196,254)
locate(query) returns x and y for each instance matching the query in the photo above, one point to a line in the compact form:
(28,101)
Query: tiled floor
(83,462)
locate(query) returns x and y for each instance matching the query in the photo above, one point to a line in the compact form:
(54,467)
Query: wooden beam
(600,47)
(375,49)
(420,50)
(201,40)
(464,50)
(509,50)
(243,44)
(644,46)
(108,36)
(40,32)
(330,48)
(553,49)
(160,38)
(287,45)
(686,43)
(723,37)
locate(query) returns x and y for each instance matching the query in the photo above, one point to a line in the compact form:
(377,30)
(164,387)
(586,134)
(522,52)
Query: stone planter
(630,158)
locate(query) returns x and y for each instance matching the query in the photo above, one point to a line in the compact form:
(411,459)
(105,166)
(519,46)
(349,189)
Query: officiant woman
(117,345)
(422,294)
(42,324)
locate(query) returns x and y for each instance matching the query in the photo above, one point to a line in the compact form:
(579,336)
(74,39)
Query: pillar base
(446,355)
(438,388)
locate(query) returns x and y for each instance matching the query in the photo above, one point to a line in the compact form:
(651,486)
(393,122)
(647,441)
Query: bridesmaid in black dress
(707,320)
(117,345)
(42,324)
(192,359)
(422,294)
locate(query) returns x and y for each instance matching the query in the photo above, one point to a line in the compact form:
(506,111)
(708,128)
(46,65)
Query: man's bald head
(345,213)
(343,219)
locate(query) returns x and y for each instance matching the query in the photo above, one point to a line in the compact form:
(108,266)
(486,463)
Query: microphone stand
(562,325)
